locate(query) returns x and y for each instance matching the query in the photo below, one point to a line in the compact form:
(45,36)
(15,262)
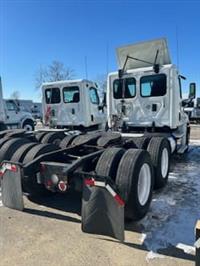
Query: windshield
(153,86)
(52,95)
(71,94)
(124,88)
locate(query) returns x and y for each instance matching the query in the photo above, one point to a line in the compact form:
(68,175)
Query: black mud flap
(12,196)
(101,213)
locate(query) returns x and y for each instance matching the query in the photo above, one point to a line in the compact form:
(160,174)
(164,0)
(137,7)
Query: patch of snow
(175,209)
(186,248)
(142,238)
(152,255)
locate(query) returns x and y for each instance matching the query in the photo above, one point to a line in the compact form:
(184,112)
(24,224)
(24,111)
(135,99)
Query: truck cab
(72,104)
(145,94)
(16,117)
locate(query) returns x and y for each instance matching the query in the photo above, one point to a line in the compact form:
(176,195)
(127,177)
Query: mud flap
(101,213)
(12,196)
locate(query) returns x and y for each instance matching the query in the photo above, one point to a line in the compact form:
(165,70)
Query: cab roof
(60,82)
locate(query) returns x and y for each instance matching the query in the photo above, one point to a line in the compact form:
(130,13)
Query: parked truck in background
(193,110)
(12,116)
(116,170)
(72,104)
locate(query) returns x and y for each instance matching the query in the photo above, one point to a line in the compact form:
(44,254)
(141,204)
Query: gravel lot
(48,232)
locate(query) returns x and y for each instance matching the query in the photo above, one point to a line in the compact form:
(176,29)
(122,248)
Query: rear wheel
(66,141)
(19,155)
(10,147)
(53,137)
(29,182)
(135,183)
(89,139)
(28,125)
(109,139)
(159,150)
(108,162)
(40,135)
(141,142)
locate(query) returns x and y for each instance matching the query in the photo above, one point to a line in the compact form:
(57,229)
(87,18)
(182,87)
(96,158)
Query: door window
(11,106)
(94,97)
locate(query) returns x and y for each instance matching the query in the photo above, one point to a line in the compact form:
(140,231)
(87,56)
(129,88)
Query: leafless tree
(101,80)
(15,95)
(54,72)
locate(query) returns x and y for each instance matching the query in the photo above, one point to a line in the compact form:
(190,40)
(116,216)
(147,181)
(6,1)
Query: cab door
(12,112)
(96,114)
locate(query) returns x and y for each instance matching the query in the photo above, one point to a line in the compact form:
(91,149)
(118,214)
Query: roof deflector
(145,51)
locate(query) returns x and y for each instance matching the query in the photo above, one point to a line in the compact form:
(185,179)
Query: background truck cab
(72,104)
(11,116)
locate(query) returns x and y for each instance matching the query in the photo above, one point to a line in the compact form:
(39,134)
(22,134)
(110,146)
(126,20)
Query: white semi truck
(12,116)
(116,170)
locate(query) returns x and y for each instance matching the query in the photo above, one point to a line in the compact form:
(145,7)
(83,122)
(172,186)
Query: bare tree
(15,95)
(54,72)
(101,80)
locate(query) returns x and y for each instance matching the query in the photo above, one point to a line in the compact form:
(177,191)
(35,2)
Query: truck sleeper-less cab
(72,104)
(147,97)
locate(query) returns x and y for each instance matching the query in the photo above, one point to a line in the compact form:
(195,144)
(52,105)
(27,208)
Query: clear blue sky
(33,33)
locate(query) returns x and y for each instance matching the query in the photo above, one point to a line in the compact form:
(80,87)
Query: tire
(141,142)
(3,140)
(135,169)
(159,150)
(66,141)
(90,139)
(29,183)
(38,150)
(108,162)
(10,146)
(19,155)
(28,125)
(17,133)
(40,135)
(109,139)
(53,137)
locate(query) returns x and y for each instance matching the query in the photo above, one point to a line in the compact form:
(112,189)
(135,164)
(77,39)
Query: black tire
(29,183)
(3,140)
(188,136)
(17,133)
(66,141)
(127,181)
(108,162)
(89,139)
(109,139)
(28,125)
(142,142)
(40,135)
(19,155)
(53,137)
(156,148)
(38,150)
(10,147)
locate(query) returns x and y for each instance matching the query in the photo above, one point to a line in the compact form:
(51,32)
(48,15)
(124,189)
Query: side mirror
(192,91)
(104,99)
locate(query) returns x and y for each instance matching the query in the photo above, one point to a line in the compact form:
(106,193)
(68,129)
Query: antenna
(107,59)
(86,70)
(177,47)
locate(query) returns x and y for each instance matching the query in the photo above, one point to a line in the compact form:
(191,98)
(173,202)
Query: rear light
(62,186)
(42,168)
